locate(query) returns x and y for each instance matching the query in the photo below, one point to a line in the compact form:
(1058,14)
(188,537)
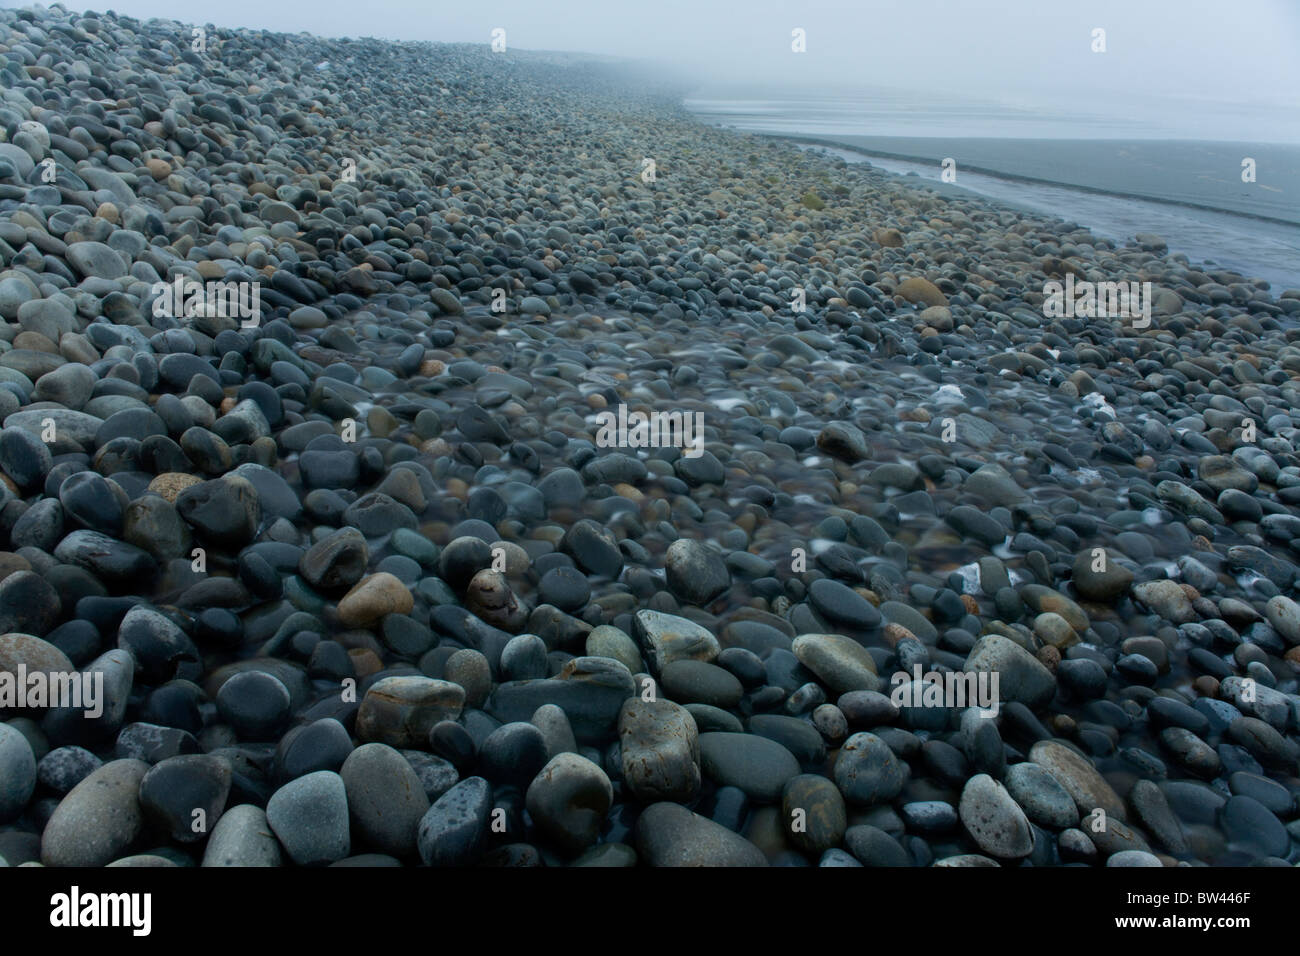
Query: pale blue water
(1107,171)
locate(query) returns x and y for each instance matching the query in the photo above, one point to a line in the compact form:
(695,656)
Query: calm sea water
(1118,173)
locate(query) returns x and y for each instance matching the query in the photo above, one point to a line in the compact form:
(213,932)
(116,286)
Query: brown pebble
(624,490)
(11,563)
(171,483)
(365,662)
(893,633)
(1062,725)
(1206,686)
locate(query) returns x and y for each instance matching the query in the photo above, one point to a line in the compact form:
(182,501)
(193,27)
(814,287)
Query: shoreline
(1016,177)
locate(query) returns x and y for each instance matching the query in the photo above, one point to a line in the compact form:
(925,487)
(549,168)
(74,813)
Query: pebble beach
(363,584)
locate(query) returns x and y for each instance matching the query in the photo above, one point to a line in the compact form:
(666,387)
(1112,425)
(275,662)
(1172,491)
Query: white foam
(817,545)
(970,579)
(727,404)
(1098,401)
(1246,579)
(838,364)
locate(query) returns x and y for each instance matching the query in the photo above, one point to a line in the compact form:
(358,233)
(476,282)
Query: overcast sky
(1019,52)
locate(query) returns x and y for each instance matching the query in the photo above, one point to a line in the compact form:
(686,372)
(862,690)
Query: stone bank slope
(357,576)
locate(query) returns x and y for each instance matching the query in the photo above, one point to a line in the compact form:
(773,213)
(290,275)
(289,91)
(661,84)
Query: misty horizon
(1161,65)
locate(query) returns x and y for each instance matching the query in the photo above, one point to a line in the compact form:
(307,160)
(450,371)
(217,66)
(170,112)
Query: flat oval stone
(386,799)
(1079,777)
(668,834)
(99,819)
(758,766)
(841,663)
(698,682)
(994,820)
(841,604)
(1044,799)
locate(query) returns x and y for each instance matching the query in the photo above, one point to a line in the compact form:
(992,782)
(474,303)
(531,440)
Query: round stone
(256,704)
(867,772)
(568,801)
(566,588)
(814,813)
(513,754)
(309,817)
